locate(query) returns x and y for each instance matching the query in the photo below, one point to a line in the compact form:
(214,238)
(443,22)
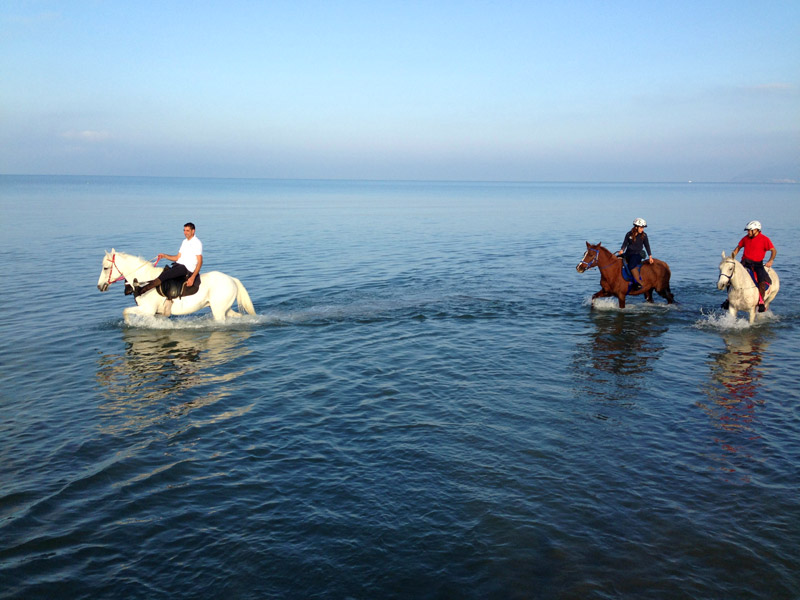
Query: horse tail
(243,298)
(666,292)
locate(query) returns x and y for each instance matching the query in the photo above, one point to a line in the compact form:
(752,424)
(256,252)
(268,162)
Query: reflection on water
(169,373)
(733,394)
(620,351)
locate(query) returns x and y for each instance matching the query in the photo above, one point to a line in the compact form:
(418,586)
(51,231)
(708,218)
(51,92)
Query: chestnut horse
(654,277)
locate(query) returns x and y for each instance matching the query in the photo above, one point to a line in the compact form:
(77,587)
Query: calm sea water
(425,406)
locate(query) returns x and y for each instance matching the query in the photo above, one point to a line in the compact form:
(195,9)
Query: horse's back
(216,277)
(773,275)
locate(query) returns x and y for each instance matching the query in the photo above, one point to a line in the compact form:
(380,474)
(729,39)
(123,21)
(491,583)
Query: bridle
(733,269)
(111,271)
(733,272)
(594,261)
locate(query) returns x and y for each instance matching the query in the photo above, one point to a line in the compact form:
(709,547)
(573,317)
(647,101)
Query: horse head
(726,270)
(590,257)
(107,273)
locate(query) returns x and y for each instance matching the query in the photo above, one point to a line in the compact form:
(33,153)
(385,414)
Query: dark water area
(426,405)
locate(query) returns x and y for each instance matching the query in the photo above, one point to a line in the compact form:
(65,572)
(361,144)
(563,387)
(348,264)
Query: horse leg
(222,304)
(667,294)
(731,310)
(621,297)
(601,294)
(131,311)
(648,295)
(218,312)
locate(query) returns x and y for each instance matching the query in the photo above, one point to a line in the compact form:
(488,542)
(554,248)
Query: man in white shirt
(187,261)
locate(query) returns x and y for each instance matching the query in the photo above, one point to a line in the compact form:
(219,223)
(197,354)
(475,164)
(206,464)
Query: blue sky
(536,91)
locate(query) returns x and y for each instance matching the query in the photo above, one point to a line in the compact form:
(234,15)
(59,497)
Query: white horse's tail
(243,298)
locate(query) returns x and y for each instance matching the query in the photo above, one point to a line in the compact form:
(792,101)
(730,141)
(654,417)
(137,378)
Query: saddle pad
(626,273)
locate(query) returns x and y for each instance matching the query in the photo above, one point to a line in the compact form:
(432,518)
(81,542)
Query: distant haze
(536,91)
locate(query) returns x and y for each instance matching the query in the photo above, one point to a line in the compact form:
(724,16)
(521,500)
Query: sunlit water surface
(425,406)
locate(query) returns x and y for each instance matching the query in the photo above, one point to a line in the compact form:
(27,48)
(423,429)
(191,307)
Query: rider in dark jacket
(635,240)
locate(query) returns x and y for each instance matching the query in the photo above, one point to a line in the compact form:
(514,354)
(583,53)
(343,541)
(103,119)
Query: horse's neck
(605,258)
(741,276)
(134,267)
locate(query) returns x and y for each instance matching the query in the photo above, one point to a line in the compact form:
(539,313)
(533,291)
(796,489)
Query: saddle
(171,288)
(177,288)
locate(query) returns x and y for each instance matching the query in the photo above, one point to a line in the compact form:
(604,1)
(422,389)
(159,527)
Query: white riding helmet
(639,222)
(753,225)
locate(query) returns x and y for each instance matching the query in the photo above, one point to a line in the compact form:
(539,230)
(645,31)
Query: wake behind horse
(655,277)
(217,291)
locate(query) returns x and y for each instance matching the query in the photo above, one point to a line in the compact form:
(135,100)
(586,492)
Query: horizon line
(782,181)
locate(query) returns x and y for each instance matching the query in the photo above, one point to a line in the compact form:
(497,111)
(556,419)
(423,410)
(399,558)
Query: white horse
(742,292)
(217,290)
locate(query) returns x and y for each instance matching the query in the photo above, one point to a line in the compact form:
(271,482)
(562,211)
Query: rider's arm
(624,246)
(772,256)
(171,257)
(190,280)
(647,246)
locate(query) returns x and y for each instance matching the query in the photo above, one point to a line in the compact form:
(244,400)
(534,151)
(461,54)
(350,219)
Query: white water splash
(612,304)
(202,322)
(724,321)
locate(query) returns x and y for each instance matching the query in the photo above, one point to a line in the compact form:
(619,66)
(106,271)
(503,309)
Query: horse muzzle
(580,267)
(102,287)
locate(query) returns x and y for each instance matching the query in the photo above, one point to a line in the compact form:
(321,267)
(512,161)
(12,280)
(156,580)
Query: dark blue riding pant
(634,260)
(174,271)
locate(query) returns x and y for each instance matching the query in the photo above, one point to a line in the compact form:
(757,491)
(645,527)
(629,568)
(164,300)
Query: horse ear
(113,251)
(723,254)
(588,244)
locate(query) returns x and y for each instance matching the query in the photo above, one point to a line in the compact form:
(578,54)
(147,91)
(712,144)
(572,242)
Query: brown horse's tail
(663,290)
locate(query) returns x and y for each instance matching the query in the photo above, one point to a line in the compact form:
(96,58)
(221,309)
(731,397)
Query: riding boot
(155,283)
(762,289)
(637,279)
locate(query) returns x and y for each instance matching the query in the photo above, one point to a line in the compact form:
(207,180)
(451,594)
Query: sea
(427,405)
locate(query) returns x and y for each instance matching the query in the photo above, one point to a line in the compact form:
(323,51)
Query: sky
(529,90)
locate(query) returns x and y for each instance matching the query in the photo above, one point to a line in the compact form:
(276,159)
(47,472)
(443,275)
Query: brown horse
(654,277)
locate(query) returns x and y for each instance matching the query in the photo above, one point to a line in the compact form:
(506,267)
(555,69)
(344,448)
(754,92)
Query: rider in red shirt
(755,246)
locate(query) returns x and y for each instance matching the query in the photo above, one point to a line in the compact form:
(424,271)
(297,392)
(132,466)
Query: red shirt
(756,247)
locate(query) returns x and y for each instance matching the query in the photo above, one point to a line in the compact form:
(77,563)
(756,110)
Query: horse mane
(599,246)
(126,255)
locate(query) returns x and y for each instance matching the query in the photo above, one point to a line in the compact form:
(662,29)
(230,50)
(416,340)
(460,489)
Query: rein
(121,274)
